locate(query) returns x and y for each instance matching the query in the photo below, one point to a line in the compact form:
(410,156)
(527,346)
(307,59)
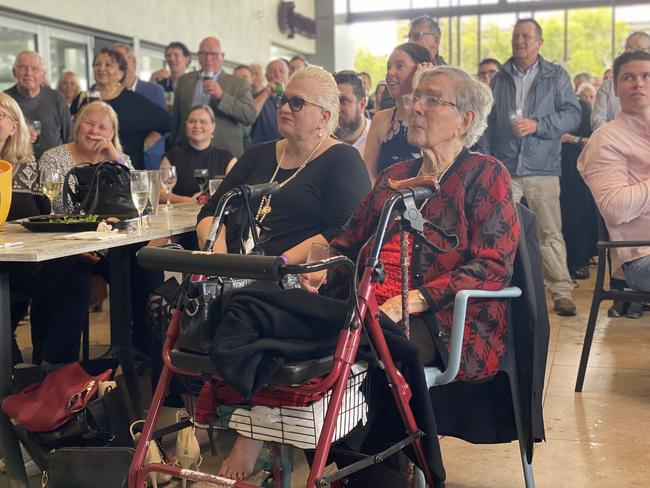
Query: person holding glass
(322,182)
(193,154)
(58,288)
(387,138)
(142,122)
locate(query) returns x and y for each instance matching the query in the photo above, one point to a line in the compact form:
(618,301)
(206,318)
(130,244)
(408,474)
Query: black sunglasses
(295,103)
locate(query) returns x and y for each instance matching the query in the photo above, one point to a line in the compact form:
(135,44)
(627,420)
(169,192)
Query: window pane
(378,5)
(469,43)
(11,43)
(630,19)
(496,34)
(68,56)
(552,23)
(444,48)
(590,40)
(150,63)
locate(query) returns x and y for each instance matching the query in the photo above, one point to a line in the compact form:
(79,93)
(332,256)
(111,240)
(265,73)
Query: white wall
(247,28)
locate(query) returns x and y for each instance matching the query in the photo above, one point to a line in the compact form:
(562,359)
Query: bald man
(265,127)
(39,102)
(230,98)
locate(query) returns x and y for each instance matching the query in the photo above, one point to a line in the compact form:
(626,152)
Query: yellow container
(5,190)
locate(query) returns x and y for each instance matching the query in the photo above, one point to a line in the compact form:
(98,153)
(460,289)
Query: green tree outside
(588,47)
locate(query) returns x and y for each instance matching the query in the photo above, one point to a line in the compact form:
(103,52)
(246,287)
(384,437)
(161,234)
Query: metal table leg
(121,322)
(8,440)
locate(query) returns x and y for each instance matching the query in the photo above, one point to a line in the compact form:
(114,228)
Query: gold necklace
(265,204)
(438,177)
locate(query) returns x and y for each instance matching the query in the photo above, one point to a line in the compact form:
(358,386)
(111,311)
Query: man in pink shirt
(615,164)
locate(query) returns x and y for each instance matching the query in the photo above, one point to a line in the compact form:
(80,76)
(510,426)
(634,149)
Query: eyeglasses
(429,102)
(212,54)
(416,36)
(295,103)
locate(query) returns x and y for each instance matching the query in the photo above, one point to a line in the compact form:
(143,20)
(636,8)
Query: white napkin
(92,236)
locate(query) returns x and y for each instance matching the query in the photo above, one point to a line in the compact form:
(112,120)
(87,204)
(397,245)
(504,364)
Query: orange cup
(5,190)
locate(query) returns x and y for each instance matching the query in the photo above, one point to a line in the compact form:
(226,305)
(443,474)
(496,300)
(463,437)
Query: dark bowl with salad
(74,222)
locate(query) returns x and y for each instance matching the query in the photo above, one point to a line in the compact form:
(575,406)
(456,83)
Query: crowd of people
(518,130)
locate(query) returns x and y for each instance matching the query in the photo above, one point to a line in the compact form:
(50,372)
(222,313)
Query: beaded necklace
(265,205)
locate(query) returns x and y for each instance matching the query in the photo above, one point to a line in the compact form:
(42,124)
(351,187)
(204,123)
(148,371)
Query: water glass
(215,183)
(168,181)
(202,176)
(317,253)
(140,190)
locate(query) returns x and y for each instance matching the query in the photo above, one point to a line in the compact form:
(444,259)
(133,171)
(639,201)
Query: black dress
(319,200)
(187,159)
(579,225)
(396,147)
(137,117)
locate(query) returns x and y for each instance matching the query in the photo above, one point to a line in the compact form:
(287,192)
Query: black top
(396,148)
(187,159)
(27,199)
(137,117)
(319,200)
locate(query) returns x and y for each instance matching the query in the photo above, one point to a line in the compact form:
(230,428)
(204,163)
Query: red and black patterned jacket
(475,203)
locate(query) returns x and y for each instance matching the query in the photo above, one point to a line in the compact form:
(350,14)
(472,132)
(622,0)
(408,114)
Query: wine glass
(318,252)
(51,183)
(202,177)
(140,189)
(168,181)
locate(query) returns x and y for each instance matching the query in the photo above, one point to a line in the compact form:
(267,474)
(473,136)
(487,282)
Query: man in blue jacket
(534,105)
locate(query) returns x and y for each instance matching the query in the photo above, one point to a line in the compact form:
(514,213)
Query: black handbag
(97,467)
(102,422)
(202,302)
(102,189)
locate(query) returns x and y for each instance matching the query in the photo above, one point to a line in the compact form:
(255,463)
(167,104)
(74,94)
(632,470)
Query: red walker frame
(337,380)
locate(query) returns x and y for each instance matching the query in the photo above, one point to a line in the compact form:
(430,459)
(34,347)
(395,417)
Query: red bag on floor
(46,406)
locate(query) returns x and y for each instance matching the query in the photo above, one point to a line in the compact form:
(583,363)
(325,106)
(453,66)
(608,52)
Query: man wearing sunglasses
(229,97)
(425,32)
(265,127)
(353,124)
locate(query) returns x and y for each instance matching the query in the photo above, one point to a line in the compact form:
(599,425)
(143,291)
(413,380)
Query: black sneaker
(581,273)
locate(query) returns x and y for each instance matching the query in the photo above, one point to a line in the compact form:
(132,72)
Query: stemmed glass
(168,181)
(51,183)
(202,177)
(318,252)
(140,190)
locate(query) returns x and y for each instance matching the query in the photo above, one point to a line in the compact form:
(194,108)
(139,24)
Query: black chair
(601,293)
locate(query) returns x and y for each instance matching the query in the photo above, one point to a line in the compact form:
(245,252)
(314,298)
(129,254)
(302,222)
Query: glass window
(12,41)
(149,62)
(469,43)
(378,5)
(445,49)
(630,19)
(68,55)
(552,23)
(589,40)
(496,36)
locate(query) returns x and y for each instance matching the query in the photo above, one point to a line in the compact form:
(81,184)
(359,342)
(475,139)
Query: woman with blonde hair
(95,140)
(322,182)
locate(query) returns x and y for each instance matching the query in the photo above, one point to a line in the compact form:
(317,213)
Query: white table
(43,246)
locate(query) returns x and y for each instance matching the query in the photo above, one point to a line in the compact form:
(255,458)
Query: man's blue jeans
(637,274)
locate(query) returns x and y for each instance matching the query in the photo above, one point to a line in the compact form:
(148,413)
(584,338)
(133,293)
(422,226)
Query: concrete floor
(599,438)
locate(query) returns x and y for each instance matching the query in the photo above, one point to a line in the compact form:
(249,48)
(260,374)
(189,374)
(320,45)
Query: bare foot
(240,462)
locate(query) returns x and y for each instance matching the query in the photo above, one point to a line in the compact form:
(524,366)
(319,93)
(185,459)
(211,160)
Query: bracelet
(120,160)
(576,140)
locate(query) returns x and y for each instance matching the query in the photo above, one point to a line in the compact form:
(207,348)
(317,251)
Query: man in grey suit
(230,98)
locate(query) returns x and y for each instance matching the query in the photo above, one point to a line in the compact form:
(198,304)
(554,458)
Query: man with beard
(353,124)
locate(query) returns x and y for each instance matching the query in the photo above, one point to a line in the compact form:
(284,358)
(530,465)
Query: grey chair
(525,360)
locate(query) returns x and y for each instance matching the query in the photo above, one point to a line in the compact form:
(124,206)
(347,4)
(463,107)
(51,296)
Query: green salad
(75,219)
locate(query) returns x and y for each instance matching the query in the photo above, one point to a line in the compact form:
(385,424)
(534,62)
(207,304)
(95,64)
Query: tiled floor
(599,438)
